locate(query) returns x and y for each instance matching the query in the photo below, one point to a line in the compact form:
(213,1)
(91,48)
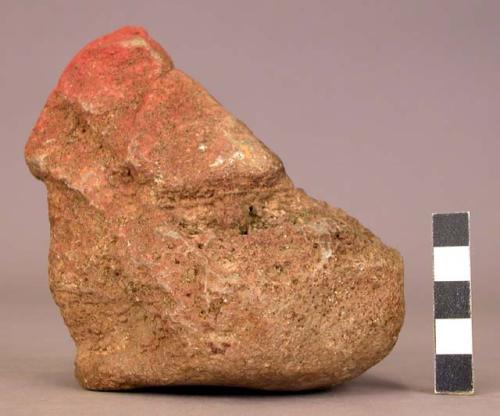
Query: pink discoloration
(120,94)
(113,70)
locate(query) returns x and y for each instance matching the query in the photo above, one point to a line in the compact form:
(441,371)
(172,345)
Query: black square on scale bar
(450,229)
(454,373)
(451,299)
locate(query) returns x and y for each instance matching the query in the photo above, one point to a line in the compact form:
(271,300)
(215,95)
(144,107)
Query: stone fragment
(182,254)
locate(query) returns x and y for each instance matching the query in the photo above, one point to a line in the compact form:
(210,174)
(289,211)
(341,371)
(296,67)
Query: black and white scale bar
(452,304)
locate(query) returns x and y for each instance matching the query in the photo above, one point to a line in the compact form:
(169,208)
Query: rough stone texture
(181,253)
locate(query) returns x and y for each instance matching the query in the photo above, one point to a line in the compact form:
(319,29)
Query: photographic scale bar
(453,365)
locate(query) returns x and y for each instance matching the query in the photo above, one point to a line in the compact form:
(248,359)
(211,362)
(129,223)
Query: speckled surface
(181,252)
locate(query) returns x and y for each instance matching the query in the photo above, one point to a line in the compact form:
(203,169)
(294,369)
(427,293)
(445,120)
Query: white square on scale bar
(451,263)
(453,336)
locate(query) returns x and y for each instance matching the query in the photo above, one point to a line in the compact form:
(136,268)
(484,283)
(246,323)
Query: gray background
(386,109)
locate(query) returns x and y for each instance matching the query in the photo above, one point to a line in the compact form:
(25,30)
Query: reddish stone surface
(181,252)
